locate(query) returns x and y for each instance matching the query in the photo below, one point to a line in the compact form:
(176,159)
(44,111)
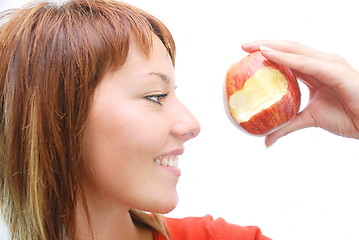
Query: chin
(167,209)
(164,205)
(168,206)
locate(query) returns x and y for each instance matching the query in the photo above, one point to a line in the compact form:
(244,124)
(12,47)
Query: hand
(332,82)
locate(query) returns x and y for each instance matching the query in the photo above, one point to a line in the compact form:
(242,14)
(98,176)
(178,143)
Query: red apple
(260,96)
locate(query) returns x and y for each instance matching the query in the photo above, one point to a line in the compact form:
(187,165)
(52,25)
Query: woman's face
(135,132)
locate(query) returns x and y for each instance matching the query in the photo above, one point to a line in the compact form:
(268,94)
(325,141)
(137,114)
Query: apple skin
(278,114)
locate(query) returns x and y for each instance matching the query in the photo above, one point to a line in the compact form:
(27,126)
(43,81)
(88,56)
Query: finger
(302,120)
(288,47)
(321,70)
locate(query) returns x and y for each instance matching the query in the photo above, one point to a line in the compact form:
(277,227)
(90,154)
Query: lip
(178,151)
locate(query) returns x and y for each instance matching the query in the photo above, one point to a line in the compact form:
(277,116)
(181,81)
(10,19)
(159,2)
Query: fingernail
(266,49)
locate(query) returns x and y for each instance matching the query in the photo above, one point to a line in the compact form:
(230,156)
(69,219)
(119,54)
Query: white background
(303,187)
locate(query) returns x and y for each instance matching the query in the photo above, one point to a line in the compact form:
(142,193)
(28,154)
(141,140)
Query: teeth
(168,161)
(164,161)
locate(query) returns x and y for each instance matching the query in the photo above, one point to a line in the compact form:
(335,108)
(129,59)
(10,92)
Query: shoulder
(209,228)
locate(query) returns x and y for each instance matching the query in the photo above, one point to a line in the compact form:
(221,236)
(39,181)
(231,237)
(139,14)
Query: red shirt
(205,228)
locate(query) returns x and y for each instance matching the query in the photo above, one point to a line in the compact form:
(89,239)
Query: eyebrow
(163,76)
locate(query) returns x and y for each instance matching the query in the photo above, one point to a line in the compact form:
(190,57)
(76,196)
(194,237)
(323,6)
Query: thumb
(302,120)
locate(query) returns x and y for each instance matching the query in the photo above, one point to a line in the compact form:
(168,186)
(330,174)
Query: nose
(185,125)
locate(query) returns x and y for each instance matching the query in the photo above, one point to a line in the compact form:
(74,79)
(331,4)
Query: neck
(107,222)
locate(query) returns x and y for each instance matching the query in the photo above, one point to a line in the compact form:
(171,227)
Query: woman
(86,136)
(91,128)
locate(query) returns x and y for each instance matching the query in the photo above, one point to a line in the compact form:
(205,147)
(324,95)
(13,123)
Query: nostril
(185,131)
(193,132)
(189,135)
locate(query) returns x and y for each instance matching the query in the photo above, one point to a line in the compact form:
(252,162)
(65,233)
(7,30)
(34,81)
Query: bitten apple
(260,96)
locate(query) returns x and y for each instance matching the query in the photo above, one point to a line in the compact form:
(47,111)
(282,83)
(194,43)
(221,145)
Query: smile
(168,161)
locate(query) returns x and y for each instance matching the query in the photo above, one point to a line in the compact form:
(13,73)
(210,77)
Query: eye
(157,98)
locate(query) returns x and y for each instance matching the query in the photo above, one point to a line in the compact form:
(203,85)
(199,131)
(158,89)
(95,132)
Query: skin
(333,84)
(126,131)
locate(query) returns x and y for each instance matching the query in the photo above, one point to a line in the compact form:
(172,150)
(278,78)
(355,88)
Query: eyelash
(156,98)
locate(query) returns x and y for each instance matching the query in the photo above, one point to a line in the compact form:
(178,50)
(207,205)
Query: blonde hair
(52,58)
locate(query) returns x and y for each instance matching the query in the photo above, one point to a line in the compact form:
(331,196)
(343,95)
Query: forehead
(157,50)
(141,71)
(157,63)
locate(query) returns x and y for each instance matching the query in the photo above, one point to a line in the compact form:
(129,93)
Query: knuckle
(337,58)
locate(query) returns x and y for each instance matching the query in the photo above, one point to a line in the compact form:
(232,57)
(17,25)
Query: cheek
(119,144)
(113,140)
